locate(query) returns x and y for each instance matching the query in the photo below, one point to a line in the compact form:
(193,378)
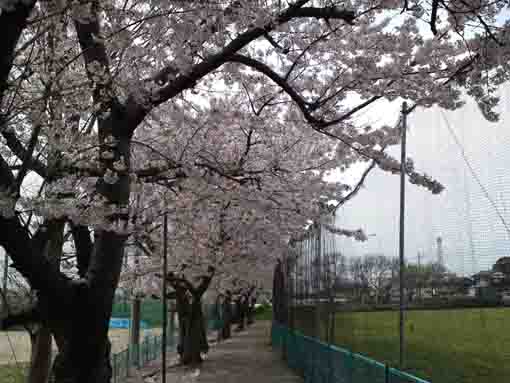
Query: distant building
(492,284)
(482,279)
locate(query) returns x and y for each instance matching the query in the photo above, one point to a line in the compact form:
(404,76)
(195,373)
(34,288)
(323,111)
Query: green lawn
(442,346)
(264,313)
(10,373)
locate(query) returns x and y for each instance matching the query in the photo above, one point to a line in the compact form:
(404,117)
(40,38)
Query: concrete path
(245,358)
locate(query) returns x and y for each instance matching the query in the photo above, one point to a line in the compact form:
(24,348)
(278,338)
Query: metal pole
(401,233)
(419,276)
(316,280)
(6,272)
(165,266)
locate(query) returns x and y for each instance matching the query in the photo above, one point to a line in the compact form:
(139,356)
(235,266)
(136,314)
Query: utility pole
(165,310)
(4,285)
(402,233)
(6,272)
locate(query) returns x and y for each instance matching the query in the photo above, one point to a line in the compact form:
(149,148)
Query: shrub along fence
(319,362)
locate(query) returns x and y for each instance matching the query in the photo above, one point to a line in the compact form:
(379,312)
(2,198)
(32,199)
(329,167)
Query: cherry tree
(104,100)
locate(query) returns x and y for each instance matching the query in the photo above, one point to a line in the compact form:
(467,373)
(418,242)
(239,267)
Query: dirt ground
(15,345)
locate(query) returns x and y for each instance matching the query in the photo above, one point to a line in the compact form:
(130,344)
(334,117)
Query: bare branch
(433,16)
(357,188)
(22,153)
(12,24)
(94,54)
(213,62)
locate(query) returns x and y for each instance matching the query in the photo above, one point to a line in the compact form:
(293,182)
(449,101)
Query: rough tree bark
(195,341)
(40,355)
(77,312)
(41,338)
(227,315)
(192,332)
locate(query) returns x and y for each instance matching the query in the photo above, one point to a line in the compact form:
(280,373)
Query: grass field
(12,373)
(264,313)
(442,346)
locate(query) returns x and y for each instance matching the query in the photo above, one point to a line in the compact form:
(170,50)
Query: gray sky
(473,235)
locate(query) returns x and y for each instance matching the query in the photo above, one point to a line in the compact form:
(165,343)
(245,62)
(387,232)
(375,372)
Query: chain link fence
(318,337)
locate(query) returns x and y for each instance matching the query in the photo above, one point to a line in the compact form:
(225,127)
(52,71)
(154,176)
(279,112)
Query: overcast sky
(474,237)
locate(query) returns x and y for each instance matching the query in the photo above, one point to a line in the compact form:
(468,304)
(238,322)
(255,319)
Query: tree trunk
(183,313)
(134,328)
(40,357)
(195,341)
(68,369)
(84,356)
(84,348)
(227,317)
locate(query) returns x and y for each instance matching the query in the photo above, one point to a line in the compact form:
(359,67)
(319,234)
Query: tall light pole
(165,310)
(6,272)
(401,232)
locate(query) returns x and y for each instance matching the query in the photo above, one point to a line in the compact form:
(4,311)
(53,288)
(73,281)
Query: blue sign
(125,323)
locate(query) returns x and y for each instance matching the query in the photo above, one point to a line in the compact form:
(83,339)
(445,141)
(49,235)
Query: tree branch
(27,253)
(357,188)
(327,13)
(297,98)
(19,151)
(95,56)
(25,317)
(213,62)
(27,159)
(84,246)
(433,16)
(12,24)
(206,281)
(28,260)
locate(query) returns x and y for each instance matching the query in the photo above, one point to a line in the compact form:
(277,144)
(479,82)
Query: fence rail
(150,349)
(133,356)
(318,362)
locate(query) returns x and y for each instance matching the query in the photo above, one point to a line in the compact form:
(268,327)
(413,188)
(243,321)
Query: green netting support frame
(318,362)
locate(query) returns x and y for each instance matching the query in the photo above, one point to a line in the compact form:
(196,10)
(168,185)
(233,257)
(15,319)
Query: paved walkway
(245,358)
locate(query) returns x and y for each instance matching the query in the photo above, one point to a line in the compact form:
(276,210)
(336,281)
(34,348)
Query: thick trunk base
(40,358)
(195,337)
(69,367)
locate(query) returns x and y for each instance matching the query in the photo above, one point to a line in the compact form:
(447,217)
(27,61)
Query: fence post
(386,374)
(350,366)
(114,368)
(316,280)
(127,361)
